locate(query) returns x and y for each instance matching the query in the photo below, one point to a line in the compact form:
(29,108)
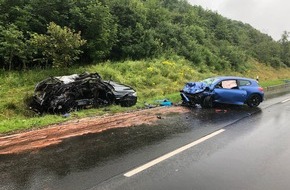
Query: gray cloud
(268,16)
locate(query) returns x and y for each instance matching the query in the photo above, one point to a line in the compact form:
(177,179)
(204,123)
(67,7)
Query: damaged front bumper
(191,99)
(193,93)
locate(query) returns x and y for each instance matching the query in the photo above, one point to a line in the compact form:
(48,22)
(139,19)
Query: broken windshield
(209,81)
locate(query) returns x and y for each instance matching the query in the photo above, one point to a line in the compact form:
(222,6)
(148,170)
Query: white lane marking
(287,100)
(170,154)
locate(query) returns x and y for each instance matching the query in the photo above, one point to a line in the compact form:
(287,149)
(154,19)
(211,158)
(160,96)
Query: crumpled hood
(194,87)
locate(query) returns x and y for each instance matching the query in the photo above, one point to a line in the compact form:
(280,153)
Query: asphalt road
(208,149)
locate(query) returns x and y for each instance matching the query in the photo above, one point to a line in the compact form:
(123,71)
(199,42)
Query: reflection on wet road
(79,163)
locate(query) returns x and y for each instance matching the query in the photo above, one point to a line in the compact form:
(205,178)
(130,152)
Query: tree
(59,45)
(12,45)
(285,48)
(98,27)
(131,19)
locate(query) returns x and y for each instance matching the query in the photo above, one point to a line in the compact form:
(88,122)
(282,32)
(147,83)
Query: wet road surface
(252,154)
(235,159)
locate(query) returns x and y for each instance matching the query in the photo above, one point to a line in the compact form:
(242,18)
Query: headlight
(134,94)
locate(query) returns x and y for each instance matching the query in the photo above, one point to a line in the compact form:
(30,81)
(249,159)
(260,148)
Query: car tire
(128,101)
(207,102)
(254,101)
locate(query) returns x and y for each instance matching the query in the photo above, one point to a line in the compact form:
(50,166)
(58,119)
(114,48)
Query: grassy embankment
(153,80)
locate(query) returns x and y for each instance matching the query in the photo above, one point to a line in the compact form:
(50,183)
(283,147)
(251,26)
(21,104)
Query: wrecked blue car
(224,90)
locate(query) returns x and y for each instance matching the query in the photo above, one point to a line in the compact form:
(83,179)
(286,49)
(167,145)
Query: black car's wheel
(254,100)
(128,101)
(207,102)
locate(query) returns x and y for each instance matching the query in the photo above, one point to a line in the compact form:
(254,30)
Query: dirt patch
(54,134)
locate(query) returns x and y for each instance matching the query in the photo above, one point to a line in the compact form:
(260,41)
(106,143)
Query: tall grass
(150,78)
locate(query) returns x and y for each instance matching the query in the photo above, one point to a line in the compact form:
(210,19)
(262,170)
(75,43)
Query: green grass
(153,80)
(272,83)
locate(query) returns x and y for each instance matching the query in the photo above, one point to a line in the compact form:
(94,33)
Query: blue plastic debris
(164,102)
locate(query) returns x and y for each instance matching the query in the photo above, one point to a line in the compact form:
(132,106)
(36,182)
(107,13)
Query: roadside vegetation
(153,80)
(154,46)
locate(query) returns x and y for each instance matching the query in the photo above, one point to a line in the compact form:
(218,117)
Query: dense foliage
(129,29)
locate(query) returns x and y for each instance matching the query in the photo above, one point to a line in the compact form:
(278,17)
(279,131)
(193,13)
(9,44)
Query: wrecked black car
(78,91)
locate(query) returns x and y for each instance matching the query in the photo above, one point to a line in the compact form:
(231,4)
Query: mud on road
(55,134)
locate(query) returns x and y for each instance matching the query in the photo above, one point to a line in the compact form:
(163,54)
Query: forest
(62,33)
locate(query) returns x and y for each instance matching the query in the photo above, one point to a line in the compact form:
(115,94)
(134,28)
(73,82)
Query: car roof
(233,77)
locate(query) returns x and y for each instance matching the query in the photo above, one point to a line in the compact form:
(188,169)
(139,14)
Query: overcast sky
(269,16)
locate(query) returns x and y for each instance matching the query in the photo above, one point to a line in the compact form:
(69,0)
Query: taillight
(261,89)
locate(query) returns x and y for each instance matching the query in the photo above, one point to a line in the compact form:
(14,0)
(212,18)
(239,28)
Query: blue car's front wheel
(207,102)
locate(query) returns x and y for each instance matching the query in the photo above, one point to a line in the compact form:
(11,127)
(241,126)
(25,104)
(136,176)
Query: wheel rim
(254,101)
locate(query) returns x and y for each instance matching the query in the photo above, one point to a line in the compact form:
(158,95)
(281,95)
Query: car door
(227,91)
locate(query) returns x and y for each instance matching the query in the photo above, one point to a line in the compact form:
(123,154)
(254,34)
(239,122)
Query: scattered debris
(164,102)
(149,105)
(66,115)
(221,111)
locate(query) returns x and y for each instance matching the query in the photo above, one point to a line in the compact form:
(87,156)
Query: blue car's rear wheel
(254,100)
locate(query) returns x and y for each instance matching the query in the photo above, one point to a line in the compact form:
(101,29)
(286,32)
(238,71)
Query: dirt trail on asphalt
(54,134)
